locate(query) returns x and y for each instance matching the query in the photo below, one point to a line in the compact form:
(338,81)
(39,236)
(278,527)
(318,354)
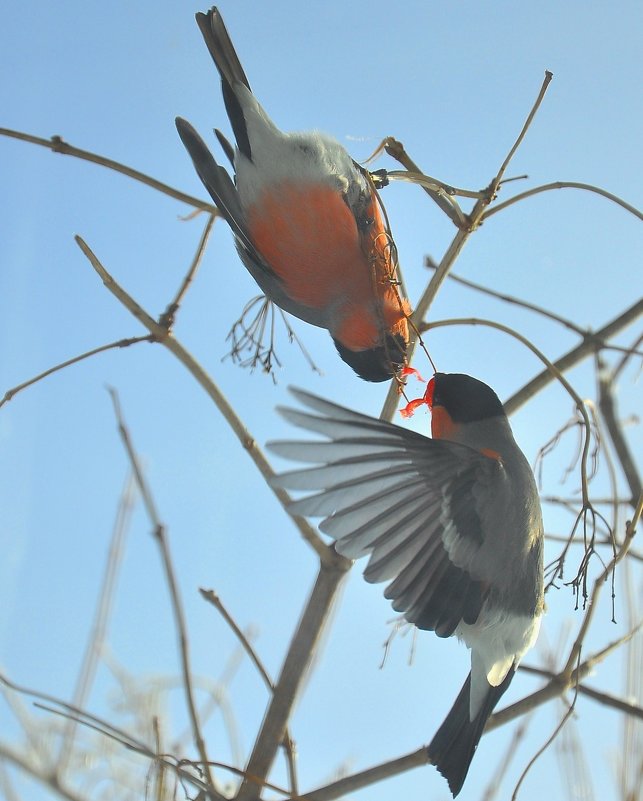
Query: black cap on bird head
(376,364)
(465,398)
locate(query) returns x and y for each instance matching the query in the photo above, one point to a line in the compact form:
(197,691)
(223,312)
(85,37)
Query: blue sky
(454,82)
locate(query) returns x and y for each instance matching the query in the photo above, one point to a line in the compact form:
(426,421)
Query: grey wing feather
(389,493)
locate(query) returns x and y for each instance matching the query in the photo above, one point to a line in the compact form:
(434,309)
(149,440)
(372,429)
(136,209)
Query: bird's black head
(376,364)
(465,398)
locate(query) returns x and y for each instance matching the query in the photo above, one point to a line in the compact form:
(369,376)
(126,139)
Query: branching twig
(168,316)
(474,219)
(162,335)
(598,585)
(287,743)
(574,356)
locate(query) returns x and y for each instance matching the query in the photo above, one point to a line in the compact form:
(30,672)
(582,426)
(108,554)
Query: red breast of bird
(307,221)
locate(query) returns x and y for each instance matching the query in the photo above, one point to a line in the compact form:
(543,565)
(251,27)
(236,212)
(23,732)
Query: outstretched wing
(402,498)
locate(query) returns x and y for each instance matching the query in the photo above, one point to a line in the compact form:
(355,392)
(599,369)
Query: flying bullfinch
(306,221)
(453,523)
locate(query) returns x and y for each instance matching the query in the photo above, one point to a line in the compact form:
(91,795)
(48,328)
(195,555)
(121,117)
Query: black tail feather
(454,744)
(227,63)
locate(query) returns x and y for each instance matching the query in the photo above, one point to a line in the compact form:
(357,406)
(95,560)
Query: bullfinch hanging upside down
(307,222)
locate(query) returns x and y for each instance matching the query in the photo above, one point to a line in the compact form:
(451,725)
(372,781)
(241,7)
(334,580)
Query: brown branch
(162,335)
(212,598)
(396,150)
(301,653)
(607,405)
(177,606)
(574,356)
(428,261)
(453,251)
(121,343)
(530,117)
(350,784)
(603,698)
(58,145)
(168,316)
(563,185)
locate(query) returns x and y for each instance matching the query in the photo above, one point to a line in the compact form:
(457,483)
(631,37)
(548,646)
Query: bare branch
(453,251)
(168,316)
(605,699)
(530,117)
(287,742)
(58,145)
(607,405)
(301,654)
(121,343)
(563,185)
(574,356)
(99,629)
(428,261)
(350,784)
(162,335)
(177,606)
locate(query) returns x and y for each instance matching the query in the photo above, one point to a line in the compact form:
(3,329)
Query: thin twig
(547,80)
(288,744)
(546,745)
(605,699)
(169,315)
(58,145)
(510,299)
(563,185)
(97,636)
(177,606)
(421,179)
(211,597)
(121,343)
